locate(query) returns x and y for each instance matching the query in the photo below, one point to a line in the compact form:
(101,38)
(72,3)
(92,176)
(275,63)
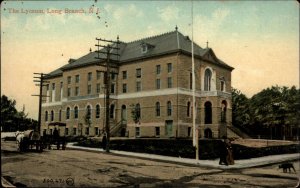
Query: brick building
(153,83)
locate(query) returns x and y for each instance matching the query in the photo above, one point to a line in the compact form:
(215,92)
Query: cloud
(206,27)
(220,14)
(9,22)
(168,13)
(120,12)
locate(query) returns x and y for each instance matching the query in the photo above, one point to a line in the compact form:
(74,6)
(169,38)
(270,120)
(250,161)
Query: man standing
(223,152)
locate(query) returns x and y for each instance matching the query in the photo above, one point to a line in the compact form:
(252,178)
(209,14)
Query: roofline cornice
(88,64)
(199,57)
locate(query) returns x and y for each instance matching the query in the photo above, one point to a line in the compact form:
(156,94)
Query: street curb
(239,164)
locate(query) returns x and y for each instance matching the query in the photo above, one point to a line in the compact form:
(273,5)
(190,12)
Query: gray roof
(158,45)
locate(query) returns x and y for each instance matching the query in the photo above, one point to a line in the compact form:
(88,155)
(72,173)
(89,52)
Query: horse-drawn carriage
(28,139)
(55,136)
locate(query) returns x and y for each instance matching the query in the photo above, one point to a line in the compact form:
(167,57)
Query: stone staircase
(116,128)
(234,132)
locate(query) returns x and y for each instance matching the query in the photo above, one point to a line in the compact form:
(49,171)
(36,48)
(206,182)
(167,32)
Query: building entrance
(169,126)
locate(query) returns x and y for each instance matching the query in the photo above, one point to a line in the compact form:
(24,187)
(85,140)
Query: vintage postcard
(150,93)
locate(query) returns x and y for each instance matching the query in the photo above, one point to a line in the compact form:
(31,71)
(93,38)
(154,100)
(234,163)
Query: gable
(210,55)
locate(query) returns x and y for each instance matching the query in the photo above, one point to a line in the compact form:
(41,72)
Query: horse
(19,139)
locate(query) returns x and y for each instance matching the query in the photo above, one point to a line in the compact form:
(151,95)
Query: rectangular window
(69,92)
(53,86)
(189,131)
(222,86)
(87,131)
(137,132)
(76,91)
(138,73)
(69,79)
(59,115)
(113,76)
(98,88)
(158,69)
(157,83)
(89,89)
(98,75)
(61,85)
(105,79)
(96,131)
(89,76)
(67,132)
(191,80)
(157,131)
(169,67)
(112,88)
(138,86)
(169,82)
(47,87)
(74,131)
(124,88)
(77,78)
(124,73)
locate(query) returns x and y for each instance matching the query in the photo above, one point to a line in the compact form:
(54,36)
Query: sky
(260,39)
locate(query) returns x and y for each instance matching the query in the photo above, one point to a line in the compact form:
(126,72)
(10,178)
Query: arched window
(188,110)
(207,80)
(157,109)
(169,108)
(138,111)
(52,115)
(208,113)
(76,112)
(223,112)
(88,112)
(97,111)
(68,113)
(124,113)
(46,116)
(59,115)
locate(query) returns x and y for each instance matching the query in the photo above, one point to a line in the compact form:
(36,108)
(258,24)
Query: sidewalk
(239,164)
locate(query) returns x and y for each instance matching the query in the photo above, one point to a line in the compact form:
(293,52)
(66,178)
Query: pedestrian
(104,141)
(230,159)
(55,133)
(223,151)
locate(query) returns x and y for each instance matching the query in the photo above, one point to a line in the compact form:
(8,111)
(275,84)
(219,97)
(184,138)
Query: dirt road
(72,168)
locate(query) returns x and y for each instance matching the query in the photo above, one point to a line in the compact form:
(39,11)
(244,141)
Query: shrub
(208,149)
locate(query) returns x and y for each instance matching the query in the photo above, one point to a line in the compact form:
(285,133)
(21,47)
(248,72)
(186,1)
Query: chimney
(71,60)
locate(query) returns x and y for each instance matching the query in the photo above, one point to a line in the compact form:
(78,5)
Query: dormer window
(145,47)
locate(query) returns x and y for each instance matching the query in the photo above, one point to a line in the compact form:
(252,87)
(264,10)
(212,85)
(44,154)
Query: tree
(8,113)
(135,113)
(240,109)
(11,119)
(269,112)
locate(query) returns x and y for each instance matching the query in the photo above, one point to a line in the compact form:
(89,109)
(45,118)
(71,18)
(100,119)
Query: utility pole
(41,82)
(195,128)
(107,80)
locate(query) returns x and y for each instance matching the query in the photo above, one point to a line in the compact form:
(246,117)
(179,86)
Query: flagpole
(195,130)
